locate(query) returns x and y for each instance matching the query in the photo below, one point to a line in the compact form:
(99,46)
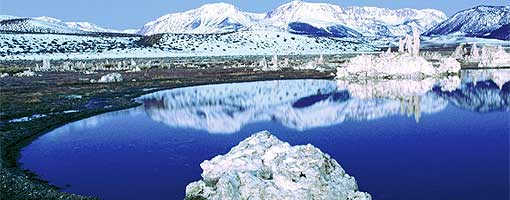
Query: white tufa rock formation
(404,64)
(26,73)
(459,52)
(263,167)
(493,57)
(400,45)
(110,78)
(474,52)
(448,66)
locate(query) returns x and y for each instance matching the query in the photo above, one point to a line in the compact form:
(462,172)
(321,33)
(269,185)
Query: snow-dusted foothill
(256,43)
(62,47)
(83,26)
(264,167)
(110,78)
(30,25)
(45,24)
(454,40)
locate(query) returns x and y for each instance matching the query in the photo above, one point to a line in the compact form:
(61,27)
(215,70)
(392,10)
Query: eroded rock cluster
(263,167)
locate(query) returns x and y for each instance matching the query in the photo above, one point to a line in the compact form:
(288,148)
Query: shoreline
(17,183)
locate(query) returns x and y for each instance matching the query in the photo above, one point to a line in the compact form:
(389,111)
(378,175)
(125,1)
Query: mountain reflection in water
(306,104)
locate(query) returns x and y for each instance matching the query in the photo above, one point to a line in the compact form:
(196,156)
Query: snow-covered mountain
(298,17)
(209,18)
(480,21)
(368,21)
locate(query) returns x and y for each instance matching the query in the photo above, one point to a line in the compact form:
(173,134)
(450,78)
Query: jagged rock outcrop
(263,167)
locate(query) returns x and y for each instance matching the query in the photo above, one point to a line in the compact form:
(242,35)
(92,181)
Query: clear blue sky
(123,14)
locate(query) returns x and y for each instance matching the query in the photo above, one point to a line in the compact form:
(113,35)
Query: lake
(401,139)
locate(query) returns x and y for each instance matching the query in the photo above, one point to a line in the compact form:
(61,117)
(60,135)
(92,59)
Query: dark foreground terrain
(65,97)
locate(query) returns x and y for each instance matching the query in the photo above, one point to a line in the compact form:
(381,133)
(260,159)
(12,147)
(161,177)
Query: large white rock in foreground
(263,167)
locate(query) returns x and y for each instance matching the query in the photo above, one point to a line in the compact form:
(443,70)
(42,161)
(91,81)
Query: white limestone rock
(493,57)
(111,78)
(448,66)
(26,73)
(263,167)
(387,64)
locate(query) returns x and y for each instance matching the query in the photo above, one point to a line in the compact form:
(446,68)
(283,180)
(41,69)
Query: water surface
(407,139)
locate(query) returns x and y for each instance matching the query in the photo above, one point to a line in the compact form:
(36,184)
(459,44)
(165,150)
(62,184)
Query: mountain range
(298,17)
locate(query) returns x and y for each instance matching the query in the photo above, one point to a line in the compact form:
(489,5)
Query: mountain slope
(480,21)
(209,18)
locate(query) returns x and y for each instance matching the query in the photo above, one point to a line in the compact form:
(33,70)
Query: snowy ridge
(47,24)
(28,25)
(83,26)
(368,21)
(298,17)
(209,18)
(480,21)
(297,104)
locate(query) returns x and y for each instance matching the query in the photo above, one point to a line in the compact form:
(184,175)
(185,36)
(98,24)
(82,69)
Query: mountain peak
(208,18)
(218,6)
(48,19)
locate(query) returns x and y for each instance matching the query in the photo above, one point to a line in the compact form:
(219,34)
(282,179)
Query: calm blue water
(427,144)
